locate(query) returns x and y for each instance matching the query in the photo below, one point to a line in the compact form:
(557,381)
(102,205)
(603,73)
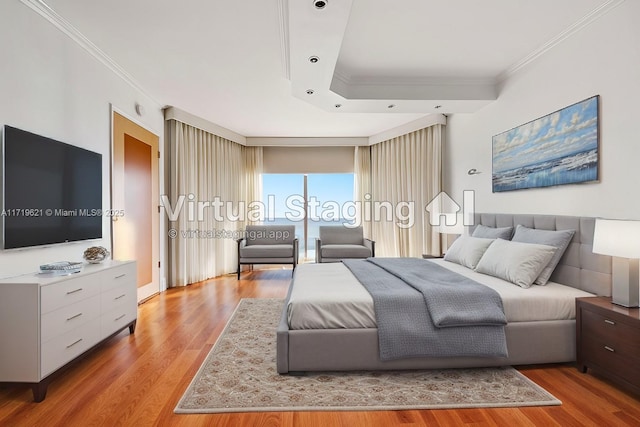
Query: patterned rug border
(180,409)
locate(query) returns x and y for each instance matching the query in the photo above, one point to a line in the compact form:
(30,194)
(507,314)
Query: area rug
(239,375)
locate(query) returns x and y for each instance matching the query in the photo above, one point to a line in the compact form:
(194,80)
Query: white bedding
(328,296)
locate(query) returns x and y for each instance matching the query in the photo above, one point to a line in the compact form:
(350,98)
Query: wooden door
(135,192)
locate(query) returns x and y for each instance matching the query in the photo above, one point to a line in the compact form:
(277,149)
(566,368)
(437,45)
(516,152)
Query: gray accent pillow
(467,250)
(493,233)
(515,262)
(558,239)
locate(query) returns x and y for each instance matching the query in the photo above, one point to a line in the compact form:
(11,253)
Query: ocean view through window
(322,196)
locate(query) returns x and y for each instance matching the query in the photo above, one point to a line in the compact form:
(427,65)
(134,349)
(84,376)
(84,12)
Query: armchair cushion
(345,251)
(270,234)
(339,235)
(266,251)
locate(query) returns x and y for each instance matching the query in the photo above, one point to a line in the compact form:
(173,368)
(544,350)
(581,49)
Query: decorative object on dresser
(608,340)
(47,321)
(95,254)
(621,239)
(61,268)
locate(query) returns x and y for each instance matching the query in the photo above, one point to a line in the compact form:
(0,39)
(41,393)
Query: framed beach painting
(559,148)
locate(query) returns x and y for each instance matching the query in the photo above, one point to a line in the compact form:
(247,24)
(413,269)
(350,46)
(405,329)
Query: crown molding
(306,141)
(174,113)
(283,21)
(44,10)
(421,123)
(592,16)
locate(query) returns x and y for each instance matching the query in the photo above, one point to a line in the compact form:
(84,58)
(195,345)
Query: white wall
(51,86)
(602,58)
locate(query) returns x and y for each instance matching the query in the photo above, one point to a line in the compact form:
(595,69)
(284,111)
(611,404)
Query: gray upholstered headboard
(579,267)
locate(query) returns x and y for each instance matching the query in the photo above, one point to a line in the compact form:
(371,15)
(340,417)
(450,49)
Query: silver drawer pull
(73,317)
(121,296)
(120,276)
(119,317)
(610,322)
(74,343)
(74,291)
(606,347)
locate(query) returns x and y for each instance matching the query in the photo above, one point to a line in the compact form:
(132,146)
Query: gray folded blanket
(467,320)
(452,299)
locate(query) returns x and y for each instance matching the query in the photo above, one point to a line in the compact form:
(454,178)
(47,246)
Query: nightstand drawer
(607,357)
(611,332)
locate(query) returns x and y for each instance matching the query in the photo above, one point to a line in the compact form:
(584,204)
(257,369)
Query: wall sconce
(473,172)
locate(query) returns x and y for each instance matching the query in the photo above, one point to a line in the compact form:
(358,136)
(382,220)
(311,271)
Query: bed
(330,326)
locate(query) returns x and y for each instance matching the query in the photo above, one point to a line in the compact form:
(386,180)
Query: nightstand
(608,340)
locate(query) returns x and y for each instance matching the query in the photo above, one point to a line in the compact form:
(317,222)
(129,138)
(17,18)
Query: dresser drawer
(69,291)
(117,319)
(119,276)
(69,317)
(64,348)
(122,296)
(611,332)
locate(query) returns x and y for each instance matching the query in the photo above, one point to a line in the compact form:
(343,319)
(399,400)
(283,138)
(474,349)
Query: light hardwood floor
(136,380)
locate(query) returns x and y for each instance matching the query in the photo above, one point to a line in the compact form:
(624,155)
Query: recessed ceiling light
(320,4)
(391,106)
(313,59)
(338,105)
(309,91)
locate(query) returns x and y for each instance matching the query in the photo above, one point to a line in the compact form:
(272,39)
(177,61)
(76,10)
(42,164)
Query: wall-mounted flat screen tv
(51,192)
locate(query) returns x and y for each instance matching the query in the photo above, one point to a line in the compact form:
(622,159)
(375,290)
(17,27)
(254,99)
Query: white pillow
(492,232)
(559,239)
(467,250)
(515,262)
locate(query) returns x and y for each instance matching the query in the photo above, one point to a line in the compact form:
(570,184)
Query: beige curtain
(362,187)
(212,182)
(406,174)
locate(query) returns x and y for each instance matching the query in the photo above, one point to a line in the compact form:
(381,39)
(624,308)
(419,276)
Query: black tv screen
(52,191)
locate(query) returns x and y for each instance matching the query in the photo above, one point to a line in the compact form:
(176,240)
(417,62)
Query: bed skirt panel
(357,349)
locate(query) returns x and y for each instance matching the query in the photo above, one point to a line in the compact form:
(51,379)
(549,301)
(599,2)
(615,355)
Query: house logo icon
(444,211)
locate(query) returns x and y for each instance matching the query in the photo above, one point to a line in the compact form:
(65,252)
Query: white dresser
(46,322)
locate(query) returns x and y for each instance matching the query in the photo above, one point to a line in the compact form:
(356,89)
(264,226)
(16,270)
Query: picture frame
(560,148)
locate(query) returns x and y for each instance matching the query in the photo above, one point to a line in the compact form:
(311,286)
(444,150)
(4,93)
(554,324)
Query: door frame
(158,276)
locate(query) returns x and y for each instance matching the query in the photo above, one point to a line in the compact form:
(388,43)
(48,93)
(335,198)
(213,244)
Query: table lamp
(621,240)
(451,225)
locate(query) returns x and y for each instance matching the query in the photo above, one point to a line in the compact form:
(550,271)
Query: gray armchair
(338,242)
(268,244)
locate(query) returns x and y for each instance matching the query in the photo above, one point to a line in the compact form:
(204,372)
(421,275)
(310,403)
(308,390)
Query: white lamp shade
(451,224)
(615,237)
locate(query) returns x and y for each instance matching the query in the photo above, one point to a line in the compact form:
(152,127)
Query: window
(308,201)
